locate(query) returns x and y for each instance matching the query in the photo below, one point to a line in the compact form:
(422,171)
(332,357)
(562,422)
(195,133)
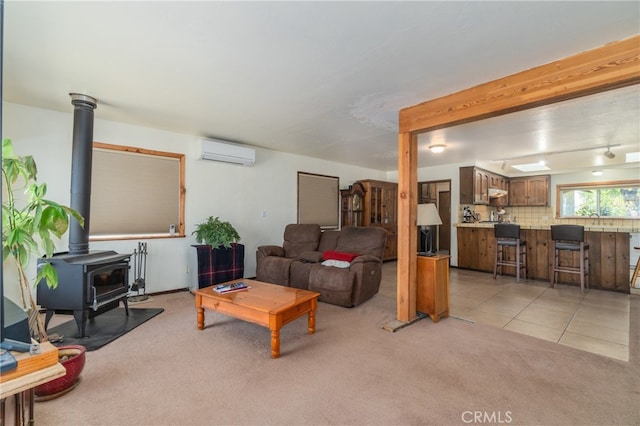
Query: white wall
(234,193)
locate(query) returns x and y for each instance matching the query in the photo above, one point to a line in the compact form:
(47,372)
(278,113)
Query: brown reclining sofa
(344,266)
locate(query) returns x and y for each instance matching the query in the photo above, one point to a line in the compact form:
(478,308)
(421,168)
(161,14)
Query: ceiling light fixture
(438,148)
(609,154)
(597,172)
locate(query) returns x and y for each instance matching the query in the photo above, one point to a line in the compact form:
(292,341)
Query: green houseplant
(216,233)
(28,227)
(220,256)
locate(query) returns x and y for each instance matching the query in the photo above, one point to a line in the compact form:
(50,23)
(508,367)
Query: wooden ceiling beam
(608,67)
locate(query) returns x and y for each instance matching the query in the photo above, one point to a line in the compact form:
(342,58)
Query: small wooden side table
(433,286)
(32,370)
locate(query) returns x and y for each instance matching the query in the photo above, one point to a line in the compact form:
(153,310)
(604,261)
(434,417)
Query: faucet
(596,215)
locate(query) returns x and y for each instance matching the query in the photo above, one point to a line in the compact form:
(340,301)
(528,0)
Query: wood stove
(89,282)
(88,285)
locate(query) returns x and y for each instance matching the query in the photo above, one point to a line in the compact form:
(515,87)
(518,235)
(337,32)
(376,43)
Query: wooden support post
(407,228)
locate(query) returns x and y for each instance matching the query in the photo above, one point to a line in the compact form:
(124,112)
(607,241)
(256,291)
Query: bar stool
(570,238)
(636,271)
(508,235)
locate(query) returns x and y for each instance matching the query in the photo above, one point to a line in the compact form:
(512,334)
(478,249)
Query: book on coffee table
(230,288)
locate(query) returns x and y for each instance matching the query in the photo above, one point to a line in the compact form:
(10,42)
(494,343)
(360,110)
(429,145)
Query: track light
(609,154)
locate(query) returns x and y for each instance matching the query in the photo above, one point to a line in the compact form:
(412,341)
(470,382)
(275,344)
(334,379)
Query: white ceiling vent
(227,152)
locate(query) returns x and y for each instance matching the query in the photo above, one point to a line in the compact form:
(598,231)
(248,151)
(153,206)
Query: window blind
(135,193)
(318,199)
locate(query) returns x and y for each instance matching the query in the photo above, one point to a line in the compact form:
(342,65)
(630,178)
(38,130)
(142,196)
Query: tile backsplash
(546,216)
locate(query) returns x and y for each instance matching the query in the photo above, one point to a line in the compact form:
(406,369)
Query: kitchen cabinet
(352,205)
(498,181)
(525,191)
(476,248)
(428,193)
(475,183)
(529,191)
(380,208)
(480,187)
(474,186)
(433,286)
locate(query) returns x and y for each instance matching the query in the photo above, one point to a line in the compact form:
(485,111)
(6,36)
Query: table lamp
(426,218)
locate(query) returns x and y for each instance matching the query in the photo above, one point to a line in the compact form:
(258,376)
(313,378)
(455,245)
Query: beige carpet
(351,372)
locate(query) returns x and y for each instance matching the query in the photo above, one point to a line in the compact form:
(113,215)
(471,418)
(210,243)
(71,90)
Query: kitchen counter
(609,253)
(587,228)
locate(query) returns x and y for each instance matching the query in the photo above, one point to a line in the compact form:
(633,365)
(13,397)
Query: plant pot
(72,357)
(219,265)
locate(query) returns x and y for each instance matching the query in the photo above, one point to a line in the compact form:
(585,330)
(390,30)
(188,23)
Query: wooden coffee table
(268,305)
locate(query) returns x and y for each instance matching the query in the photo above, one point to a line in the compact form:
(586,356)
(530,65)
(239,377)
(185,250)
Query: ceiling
(324,79)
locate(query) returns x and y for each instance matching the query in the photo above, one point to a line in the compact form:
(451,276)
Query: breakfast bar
(609,257)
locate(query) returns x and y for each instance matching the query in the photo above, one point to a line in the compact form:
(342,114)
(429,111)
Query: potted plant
(28,228)
(72,357)
(220,256)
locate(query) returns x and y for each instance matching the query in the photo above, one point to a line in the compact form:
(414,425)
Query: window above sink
(619,199)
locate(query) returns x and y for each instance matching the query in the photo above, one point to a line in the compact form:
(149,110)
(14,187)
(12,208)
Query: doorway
(438,192)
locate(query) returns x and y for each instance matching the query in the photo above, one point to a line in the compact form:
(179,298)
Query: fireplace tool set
(140,271)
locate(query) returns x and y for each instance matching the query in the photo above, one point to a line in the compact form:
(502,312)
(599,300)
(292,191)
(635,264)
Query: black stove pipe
(81,161)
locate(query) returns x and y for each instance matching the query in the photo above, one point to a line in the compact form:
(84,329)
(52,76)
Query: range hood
(497,193)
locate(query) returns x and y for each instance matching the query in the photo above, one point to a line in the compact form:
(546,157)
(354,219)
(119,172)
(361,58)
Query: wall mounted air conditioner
(217,150)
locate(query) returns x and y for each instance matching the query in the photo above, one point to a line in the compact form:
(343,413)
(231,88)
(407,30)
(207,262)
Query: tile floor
(597,321)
